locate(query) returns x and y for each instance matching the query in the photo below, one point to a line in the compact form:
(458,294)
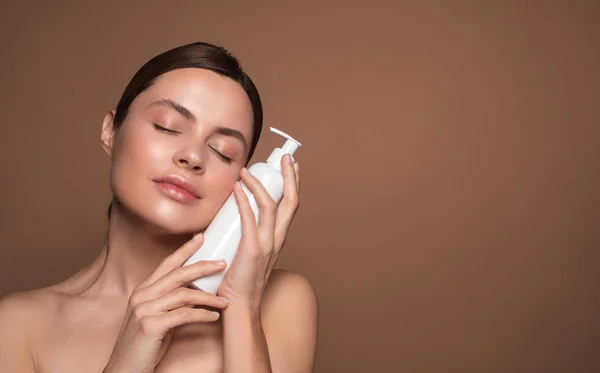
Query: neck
(133,250)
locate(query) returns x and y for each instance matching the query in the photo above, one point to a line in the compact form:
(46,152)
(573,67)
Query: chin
(167,217)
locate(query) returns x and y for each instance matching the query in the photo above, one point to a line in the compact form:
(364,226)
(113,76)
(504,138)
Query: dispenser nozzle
(290,145)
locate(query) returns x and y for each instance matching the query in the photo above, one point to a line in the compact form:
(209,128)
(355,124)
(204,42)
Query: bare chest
(194,348)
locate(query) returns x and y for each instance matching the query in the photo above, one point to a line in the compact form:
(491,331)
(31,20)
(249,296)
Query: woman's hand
(161,303)
(260,245)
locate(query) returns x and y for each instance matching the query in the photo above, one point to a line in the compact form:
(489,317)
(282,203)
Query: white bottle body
(222,237)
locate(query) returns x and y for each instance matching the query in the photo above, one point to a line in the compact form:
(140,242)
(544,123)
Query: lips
(179,183)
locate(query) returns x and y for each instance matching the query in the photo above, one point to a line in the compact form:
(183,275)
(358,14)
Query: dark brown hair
(199,55)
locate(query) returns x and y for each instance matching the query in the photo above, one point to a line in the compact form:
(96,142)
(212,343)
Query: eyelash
(166,130)
(222,156)
(163,129)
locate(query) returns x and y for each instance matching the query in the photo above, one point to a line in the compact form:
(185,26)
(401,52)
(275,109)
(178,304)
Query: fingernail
(288,158)
(220,262)
(245,170)
(224,300)
(197,236)
(216,314)
(297,166)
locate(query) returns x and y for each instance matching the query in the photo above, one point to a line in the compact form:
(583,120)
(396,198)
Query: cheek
(134,160)
(140,150)
(220,184)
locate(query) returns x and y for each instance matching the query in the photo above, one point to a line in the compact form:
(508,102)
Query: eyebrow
(225,131)
(187,114)
(176,106)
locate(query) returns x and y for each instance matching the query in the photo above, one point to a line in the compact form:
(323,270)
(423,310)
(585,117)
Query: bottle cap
(290,147)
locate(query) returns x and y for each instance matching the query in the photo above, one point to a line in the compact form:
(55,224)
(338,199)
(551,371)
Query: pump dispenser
(223,235)
(289,147)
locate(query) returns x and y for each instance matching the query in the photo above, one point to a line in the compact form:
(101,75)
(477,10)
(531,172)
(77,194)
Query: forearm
(244,344)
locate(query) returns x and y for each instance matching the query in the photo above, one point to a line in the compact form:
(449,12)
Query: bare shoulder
(289,316)
(289,290)
(26,308)
(16,306)
(22,315)
(31,310)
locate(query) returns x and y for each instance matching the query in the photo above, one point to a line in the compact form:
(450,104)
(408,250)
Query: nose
(191,159)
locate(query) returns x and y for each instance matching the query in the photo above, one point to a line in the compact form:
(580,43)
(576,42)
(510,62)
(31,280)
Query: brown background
(450,195)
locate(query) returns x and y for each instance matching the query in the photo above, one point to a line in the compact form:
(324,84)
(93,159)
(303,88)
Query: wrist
(246,310)
(113,367)
(107,369)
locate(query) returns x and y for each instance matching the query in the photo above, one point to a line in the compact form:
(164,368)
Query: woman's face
(207,120)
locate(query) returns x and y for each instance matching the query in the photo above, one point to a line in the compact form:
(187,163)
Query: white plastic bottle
(223,235)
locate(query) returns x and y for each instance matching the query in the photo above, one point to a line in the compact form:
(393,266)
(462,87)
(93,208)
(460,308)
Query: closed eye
(163,129)
(221,155)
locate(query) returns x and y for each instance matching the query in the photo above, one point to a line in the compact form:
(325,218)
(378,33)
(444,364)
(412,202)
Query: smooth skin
(131,310)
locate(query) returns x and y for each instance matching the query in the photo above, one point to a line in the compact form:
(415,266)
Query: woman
(179,141)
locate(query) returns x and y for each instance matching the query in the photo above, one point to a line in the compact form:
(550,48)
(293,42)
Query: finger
(297,169)
(288,206)
(176,259)
(180,316)
(182,297)
(183,316)
(181,276)
(290,182)
(247,217)
(267,207)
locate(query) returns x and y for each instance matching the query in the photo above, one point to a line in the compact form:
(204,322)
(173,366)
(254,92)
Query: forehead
(214,99)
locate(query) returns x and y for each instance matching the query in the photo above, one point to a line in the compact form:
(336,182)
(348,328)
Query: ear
(108,133)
